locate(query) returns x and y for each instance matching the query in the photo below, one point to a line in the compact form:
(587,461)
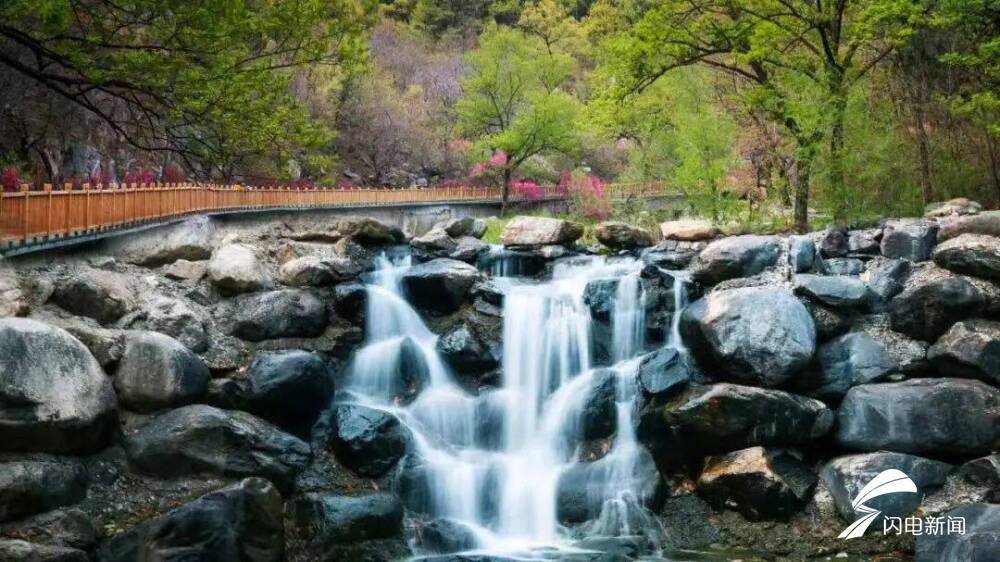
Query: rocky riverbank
(173,393)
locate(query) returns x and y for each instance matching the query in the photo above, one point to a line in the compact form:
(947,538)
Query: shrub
(9,179)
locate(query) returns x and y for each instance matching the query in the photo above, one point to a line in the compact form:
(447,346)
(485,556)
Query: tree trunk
(802,169)
(923,146)
(838,109)
(505,190)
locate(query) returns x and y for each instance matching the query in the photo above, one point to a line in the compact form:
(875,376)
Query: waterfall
(504,487)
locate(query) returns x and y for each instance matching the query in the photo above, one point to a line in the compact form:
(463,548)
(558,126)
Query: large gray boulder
(971,254)
(885,278)
(718,418)
(368,441)
(539,231)
(467,351)
(317,270)
(234,268)
(845,476)
(34,486)
(286,313)
(464,226)
(971,348)
(979,543)
(239,523)
(54,397)
(201,439)
(15,298)
(688,230)
(189,240)
(622,236)
(832,290)
(736,256)
(845,362)
(754,335)
(801,253)
(335,519)
(922,416)
(441,285)
(16,550)
(583,487)
(174,318)
(759,483)
(834,243)
(987,222)
(368,231)
(289,389)
(959,206)
(930,304)
(102,295)
(157,372)
(911,239)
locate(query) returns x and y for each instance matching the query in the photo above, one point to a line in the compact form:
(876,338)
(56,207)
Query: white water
(505,488)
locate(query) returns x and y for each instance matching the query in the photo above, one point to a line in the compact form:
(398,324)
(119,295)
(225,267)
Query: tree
(512,103)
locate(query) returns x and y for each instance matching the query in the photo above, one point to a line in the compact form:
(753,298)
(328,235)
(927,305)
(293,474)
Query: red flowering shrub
(587,196)
(526,190)
(173,174)
(9,179)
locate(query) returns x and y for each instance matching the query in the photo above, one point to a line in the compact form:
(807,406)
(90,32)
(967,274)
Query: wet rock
(829,323)
(504,262)
(972,254)
(289,389)
(909,239)
(54,397)
(185,270)
(759,483)
(466,351)
(801,253)
(952,207)
(979,543)
(101,295)
(757,335)
(174,318)
(671,254)
(242,522)
(663,373)
(368,441)
(368,231)
(335,519)
(157,372)
(987,222)
(622,236)
(845,477)
(834,243)
(68,527)
(583,487)
(983,472)
(599,296)
(598,415)
(539,231)
(351,301)
(688,230)
(843,266)
(189,240)
(469,249)
(737,256)
(201,439)
(234,269)
(928,307)
(885,278)
(316,271)
(24,551)
(846,362)
(707,419)
(34,486)
(444,535)
(833,290)
(435,242)
(921,416)
(287,313)
(441,285)
(971,348)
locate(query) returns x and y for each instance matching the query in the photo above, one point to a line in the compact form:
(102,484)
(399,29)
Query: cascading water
(504,487)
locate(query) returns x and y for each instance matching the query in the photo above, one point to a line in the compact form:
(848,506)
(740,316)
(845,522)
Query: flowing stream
(492,462)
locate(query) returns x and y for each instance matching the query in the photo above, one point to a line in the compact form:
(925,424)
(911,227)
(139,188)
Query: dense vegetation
(755,108)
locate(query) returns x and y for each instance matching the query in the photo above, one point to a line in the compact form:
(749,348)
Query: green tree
(512,101)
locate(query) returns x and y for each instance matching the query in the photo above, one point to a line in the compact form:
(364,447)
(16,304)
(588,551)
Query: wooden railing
(49,213)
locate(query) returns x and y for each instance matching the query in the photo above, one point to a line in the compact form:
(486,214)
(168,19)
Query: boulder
(971,348)
(235,269)
(350,301)
(186,270)
(15,550)
(289,389)
(845,476)
(909,239)
(466,351)
(910,354)
(368,441)
(801,253)
(737,256)
(465,226)
(832,290)
(921,416)
(864,244)
(335,519)
(239,523)
(829,322)
(834,243)
(971,254)
(622,236)
(959,206)
(189,240)
(441,285)
(583,487)
(979,543)
(757,335)
(34,486)
(983,472)
(718,418)
(316,271)
(671,254)
(885,278)
(759,483)
(67,527)
(201,439)
(539,231)
(928,306)
(444,535)
(101,295)
(987,222)
(14,298)
(435,242)
(54,397)
(663,373)
(469,249)
(598,416)
(157,372)
(688,230)
(843,266)
(845,362)
(287,313)
(368,231)
(174,318)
